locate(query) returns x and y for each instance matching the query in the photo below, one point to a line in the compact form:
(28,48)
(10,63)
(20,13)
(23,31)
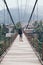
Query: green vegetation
(16,27)
(4,30)
(38,28)
(3,39)
(5,42)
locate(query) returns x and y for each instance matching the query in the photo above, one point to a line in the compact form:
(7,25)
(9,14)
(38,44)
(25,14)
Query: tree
(4,29)
(18,25)
(35,24)
(39,30)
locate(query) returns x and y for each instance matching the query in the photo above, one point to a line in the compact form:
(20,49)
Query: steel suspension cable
(32,12)
(9,11)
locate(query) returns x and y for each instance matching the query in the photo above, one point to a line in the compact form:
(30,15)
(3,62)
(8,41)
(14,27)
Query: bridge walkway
(20,53)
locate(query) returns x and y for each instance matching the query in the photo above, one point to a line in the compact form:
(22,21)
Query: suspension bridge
(16,51)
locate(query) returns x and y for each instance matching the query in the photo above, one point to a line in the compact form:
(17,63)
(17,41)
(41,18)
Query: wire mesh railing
(37,45)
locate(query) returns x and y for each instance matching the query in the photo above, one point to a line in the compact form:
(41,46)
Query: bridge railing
(35,43)
(6,43)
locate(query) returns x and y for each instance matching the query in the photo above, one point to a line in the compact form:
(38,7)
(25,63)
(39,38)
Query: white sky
(22,4)
(13,3)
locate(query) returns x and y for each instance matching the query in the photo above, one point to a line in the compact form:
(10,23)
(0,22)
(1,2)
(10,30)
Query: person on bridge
(20,33)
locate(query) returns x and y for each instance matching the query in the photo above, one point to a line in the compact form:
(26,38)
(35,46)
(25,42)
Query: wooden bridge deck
(20,53)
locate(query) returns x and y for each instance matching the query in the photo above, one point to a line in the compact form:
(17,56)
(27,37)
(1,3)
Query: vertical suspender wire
(18,11)
(4,13)
(25,10)
(7,17)
(1,25)
(37,11)
(8,11)
(32,11)
(21,10)
(28,9)
(1,7)
(4,21)
(33,16)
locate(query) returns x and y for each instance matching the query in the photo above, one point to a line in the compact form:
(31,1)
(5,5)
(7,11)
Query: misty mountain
(21,15)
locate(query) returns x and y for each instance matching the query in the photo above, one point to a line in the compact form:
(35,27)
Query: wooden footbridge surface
(20,53)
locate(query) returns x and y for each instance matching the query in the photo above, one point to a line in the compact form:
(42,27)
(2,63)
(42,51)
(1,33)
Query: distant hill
(14,12)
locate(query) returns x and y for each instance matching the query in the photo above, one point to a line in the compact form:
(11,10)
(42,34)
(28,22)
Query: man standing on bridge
(20,33)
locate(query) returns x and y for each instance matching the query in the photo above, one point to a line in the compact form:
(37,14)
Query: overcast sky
(27,5)
(14,4)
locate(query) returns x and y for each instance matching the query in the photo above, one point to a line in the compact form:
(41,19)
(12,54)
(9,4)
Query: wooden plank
(20,53)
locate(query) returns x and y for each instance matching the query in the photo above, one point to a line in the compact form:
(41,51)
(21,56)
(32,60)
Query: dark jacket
(20,31)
